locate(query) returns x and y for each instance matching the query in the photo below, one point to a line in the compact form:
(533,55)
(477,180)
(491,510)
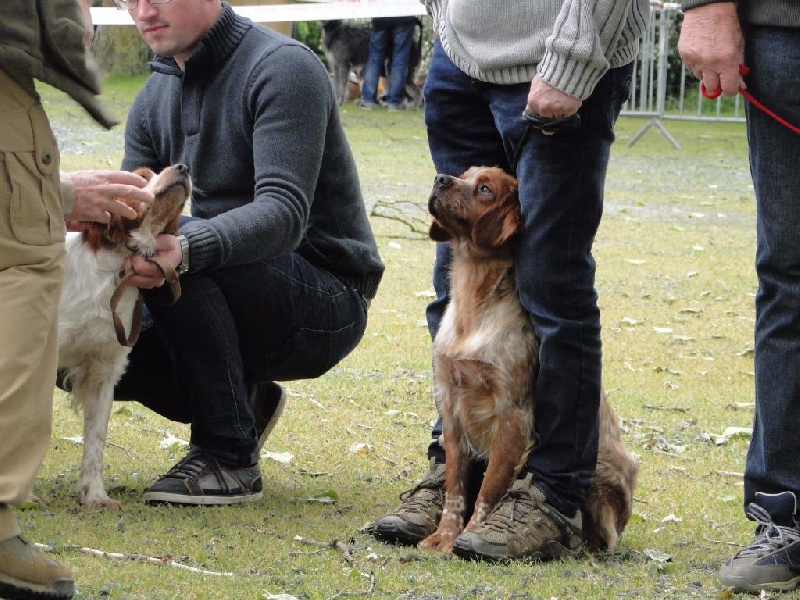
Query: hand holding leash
(549,126)
(744,71)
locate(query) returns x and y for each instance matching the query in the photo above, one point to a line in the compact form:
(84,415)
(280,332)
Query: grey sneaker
(418,516)
(27,575)
(267,400)
(772,561)
(522,526)
(200,479)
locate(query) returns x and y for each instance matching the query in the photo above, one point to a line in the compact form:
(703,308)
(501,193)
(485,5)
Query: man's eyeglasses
(131,4)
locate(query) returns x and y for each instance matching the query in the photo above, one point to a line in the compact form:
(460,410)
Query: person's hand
(100,194)
(547,101)
(88,34)
(712,47)
(148,275)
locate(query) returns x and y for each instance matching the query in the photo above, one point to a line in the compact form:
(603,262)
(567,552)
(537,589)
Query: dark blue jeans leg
(378,43)
(773,55)
(275,320)
(461,134)
(402,38)
(561,179)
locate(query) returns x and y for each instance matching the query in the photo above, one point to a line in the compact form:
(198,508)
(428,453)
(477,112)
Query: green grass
(676,283)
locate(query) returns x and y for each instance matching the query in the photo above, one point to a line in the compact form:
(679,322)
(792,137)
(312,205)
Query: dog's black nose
(181,168)
(443,181)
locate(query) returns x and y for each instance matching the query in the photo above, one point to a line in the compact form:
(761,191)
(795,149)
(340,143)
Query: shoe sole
(394,530)
(464,548)
(262,439)
(15,589)
(168,498)
(740,584)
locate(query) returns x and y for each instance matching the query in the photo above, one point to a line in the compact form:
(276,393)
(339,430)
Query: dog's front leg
(507,453)
(96,398)
(457,469)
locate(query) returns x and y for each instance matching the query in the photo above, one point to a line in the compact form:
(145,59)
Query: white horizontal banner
(305,11)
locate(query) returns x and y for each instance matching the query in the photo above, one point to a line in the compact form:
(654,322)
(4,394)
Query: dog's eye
(484,189)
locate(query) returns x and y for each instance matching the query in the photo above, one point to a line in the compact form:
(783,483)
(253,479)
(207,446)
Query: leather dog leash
(745,71)
(169,273)
(548,125)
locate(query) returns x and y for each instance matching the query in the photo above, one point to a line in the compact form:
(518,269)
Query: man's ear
(438,233)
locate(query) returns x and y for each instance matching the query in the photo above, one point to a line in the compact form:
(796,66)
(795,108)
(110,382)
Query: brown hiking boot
(267,400)
(522,526)
(27,575)
(417,517)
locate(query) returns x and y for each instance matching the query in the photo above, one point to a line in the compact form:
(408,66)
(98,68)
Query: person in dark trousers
(278,262)
(556,59)
(391,37)
(716,40)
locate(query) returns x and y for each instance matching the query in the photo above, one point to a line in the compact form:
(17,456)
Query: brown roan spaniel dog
(485,359)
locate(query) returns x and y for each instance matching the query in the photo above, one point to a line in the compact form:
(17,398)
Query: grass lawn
(676,282)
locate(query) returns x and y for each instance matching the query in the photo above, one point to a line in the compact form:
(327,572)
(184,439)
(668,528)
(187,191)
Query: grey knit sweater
(255,118)
(777,13)
(570,43)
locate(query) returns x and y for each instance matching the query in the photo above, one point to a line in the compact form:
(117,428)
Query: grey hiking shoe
(522,526)
(267,400)
(418,516)
(200,479)
(772,561)
(27,575)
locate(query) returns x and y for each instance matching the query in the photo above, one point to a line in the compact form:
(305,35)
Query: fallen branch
(157,560)
(404,212)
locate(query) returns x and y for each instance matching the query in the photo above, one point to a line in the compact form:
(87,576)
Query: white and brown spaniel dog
(98,318)
(485,353)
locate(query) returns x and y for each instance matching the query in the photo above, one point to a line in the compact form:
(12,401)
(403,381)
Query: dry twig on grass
(157,560)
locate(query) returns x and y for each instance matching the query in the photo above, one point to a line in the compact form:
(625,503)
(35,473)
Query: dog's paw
(99,499)
(441,541)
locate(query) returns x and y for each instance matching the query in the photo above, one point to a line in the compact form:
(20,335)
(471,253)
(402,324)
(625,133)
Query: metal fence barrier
(651,73)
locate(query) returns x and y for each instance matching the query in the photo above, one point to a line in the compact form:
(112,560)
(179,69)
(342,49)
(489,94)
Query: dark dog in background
(346,46)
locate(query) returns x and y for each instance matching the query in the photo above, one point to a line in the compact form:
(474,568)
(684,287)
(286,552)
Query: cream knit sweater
(570,43)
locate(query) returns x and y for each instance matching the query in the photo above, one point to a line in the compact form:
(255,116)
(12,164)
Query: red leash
(745,71)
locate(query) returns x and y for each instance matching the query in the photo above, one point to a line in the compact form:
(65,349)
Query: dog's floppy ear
(438,233)
(497,227)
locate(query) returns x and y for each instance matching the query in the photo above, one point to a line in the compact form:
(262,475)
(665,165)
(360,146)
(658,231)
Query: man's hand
(88,33)
(546,101)
(148,275)
(712,47)
(100,194)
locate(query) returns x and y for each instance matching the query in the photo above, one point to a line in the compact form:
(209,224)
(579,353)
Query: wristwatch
(184,266)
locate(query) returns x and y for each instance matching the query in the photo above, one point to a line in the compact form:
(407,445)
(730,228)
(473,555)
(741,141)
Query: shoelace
(502,518)
(769,536)
(194,465)
(433,485)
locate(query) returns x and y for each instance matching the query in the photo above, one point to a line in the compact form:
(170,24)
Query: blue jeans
(398,39)
(773,463)
(560,179)
(274,320)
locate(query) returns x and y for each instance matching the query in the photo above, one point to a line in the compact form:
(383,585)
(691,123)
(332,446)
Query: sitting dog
(346,46)
(485,355)
(97,308)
